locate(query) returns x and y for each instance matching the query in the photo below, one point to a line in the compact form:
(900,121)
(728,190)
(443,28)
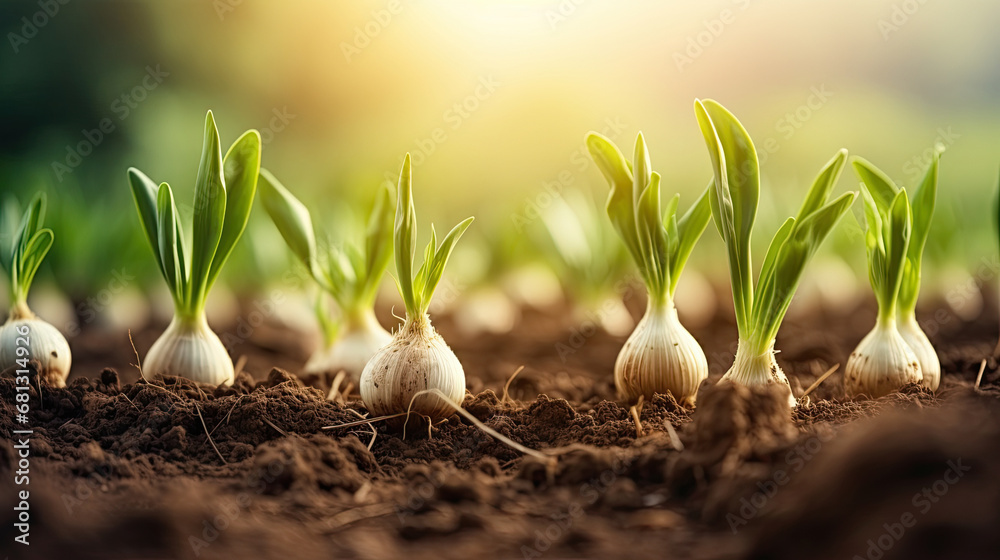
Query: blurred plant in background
(106,85)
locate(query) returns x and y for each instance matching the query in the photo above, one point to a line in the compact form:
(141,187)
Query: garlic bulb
(43,342)
(660,356)
(416,359)
(882,363)
(930,365)
(350,352)
(190,349)
(752,368)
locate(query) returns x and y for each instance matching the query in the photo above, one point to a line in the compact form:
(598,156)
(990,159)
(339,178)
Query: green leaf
(405,237)
(765,280)
(880,186)
(734,197)
(34,252)
(653,238)
(378,243)
(144,192)
(167,226)
(621,201)
(209,214)
(897,238)
(292,219)
(436,268)
(823,185)
(923,210)
(241,167)
(32,221)
(689,231)
(793,255)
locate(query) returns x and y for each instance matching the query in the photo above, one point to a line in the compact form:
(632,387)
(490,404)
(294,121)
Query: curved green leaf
(241,166)
(144,192)
(689,230)
(209,215)
(734,198)
(405,237)
(292,219)
(880,186)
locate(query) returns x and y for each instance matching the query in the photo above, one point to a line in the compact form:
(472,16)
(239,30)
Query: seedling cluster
(412,371)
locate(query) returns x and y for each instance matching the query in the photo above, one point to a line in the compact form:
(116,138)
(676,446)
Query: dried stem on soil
(506,386)
(819,381)
(209,436)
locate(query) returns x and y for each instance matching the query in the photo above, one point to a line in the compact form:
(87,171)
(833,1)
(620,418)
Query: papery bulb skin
(930,365)
(881,364)
(43,342)
(189,348)
(751,368)
(416,359)
(660,356)
(351,350)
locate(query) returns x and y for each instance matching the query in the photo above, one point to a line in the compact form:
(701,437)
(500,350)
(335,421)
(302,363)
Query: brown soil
(126,469)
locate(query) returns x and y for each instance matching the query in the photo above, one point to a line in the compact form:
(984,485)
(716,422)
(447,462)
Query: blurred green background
(493,99)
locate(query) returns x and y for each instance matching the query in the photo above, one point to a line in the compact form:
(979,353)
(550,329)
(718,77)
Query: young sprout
(660,356)
(735,192)
(896,351)
(417,358)
(223,196)
(25,337)
(351,276)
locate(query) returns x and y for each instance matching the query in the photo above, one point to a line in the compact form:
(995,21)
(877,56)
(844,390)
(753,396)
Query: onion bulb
(189,348)
(882,363)
(660,356)
(417,358)
(25,337)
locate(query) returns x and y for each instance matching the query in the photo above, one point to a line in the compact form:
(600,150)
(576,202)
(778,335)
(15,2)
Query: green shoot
(734,196)
(350,275)
(224,192)
(418,289)
(29,243)
(658,242)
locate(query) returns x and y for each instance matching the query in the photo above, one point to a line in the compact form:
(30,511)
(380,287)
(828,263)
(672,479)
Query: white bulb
(750,368)
(660,356)
(351,351)
(43,342)
(416,359)
(189,349)
(930,365)
(882,363)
